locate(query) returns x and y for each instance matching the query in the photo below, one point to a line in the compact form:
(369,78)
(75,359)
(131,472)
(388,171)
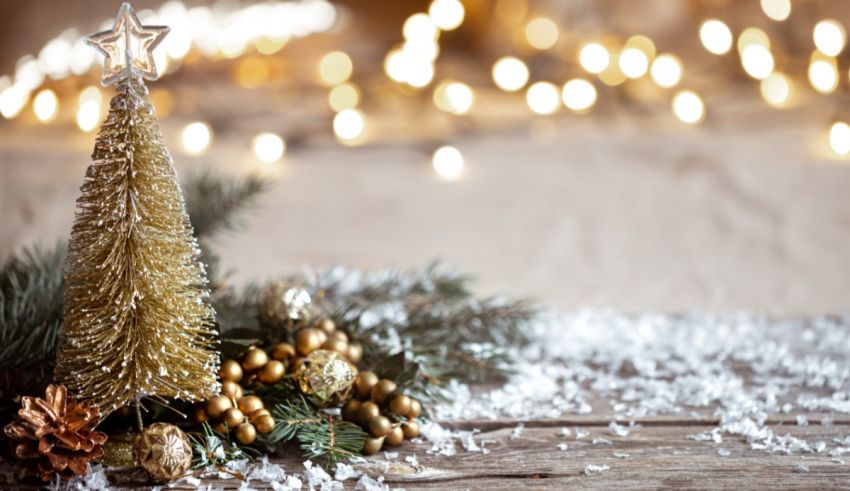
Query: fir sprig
(215,203)
(213,449)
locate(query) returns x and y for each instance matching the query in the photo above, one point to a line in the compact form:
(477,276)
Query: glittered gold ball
(410,429)
(283,351)
(355,352)
(233,417)
(254,359)
(326,325)
(217,406)
(380,426)
(245,433)
(364,384)
(164,451)
(400,404)
(415,409)
(372,445)
(264,424)
(368,411)
(395,436)
(350,409)
(382,390)
(249,404)
(285,306)
(272,372)
(230,370)
(326,376)
(307,341)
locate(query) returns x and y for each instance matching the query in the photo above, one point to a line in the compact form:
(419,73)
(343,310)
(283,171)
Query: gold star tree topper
(128,47)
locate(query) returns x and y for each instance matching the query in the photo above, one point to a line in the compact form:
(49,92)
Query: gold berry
(221,427)
(233,417)
(259,413)
(249,404)
(272,372)
(308,341)
(230,370)
(400,404)
(217,406)
(355,352)
(382,390)
(326,325)
(336,344)
(410,429)
(231,389)
(380,426)
(246,433)
(368,411)
(199,415)
(283,351)
(254,359)
(415,409)
(372,445)
(338,335)
(395,436)
(264,424)
(350,409)
(364,383)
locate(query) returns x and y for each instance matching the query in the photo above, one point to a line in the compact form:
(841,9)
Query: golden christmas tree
(137,317)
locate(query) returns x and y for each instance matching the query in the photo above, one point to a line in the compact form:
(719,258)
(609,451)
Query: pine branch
(215,449)
(214,202)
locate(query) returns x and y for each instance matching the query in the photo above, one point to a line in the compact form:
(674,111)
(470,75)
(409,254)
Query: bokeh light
(839,138)
(541,33)
(448,163)
(454,97)
(13,99)
(349,125)
(344,96)
(633,63)
(579,95)
(715,36)
(510,74)
(666,70)
(830,37)
(543,98)
(777,10)
(776,89)
(757,61)
(823,73)
(335,68)
(196,138)
(446,14)
(752,36)
(688,107)
(594,58)
(420,26)
(45,105)
(88,111)
(268,147)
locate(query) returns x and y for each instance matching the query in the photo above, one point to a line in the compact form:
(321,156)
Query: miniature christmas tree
(137,318)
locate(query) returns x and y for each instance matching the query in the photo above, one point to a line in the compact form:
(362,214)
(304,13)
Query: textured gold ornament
(284,305)
(137,317)
(164,451)
(326,376)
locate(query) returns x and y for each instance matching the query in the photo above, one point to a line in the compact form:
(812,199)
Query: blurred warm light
(757,61)
(541,33)
(268,45)
(252,71)
(55,58)
(446,14)
(335,68)
(594,57)
(13,99)
(163,101)
(830,37)
(642,43)
(45,105)
(543,98)
(349,124)
(612,76)
(179,41)
(448,163)
(752,36)
(402,66)
(345,96)
(395,65)
(823,74)
(268,147)
(579,94)
(420,26)
(232,41)
(688,107)
(839,138)
(633,63)
(454,97)
(715,36)
(510,74)
(420,74)
(196,137)
(667,70)
(88,112)
(28,73)
(777,10)
(776,89)
(82,57)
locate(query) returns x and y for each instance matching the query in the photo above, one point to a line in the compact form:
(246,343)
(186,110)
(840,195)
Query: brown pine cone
(55,435)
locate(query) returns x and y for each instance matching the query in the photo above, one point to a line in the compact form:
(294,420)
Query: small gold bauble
(249,404)
(264,424)
(364,384)
(355,352)
(254,359)
(410,429)
(272,372)
(382,390)
(415,409)
(221,427)
(380,426)
(230,370)
(338,335)
(326,325)
(326,376)
(307,341)
(372,445)
(368,411)
(400,404)
(258,414)
(395,436)
(233,417)
(350,409)
(231,389)
(199,415)
(217,406)
(283,351)
(246,433)
(285,306)
(164,451)
(338,345)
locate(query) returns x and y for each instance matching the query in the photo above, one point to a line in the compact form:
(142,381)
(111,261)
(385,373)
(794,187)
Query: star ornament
(128,47)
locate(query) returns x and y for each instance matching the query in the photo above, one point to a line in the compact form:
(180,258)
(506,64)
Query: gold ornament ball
(249,404)
(283,351)
(231,389)
(400,404)
(382,390)
(338,345)
(246,433)
(308,341)
(372,445)
(415,409)
(217,406)
(264,424)
(395,436)
(285,306)
(230,370)
(355,352)
(233,417)
(410,429)
(254,359)
(272,372)
(164,451)
(380,426)
(338,335)
(350,409)
(368,411)
(326,376)
(199,415)
(259,413)
(364,383)
(326,325)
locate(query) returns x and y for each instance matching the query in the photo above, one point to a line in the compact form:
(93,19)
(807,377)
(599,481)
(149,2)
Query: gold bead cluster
(324,335)
(388,416)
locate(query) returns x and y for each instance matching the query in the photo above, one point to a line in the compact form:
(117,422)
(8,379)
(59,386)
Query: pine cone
(55,435)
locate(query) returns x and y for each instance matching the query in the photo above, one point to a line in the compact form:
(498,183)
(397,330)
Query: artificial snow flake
(723,452)
(517,432)
(412,460)
(562,447)
(602,441)
(621,455)
(618,430)
(591,469)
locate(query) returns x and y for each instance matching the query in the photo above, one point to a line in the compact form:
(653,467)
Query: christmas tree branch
(214,203)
